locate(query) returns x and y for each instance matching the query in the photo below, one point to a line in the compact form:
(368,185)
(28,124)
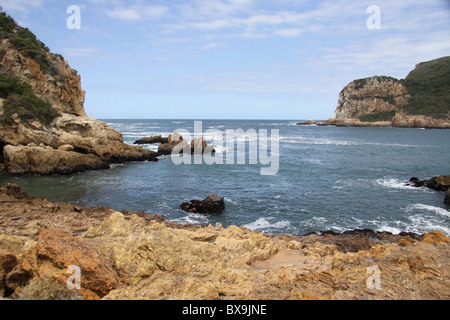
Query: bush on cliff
(378,116)
(21,101)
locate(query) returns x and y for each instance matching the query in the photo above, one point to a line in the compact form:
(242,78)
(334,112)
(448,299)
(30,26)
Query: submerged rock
(213,204)
(307,123)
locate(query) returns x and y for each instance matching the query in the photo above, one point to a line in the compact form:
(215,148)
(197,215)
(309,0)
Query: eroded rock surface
(130,256)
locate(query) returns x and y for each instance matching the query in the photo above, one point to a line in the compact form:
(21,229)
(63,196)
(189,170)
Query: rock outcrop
(152,140)
(372,96)
(420,100)
(439,183)
(213,204)
(72,141)
(125,256)
(197,145)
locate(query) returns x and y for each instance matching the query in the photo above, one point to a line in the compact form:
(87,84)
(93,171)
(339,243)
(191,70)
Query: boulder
(213,204)
(447,198)
(174,139)
(199,145)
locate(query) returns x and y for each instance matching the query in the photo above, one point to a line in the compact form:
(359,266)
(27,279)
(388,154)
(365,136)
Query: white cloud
(138,12)
(288,32)
(79,52)
(23,6)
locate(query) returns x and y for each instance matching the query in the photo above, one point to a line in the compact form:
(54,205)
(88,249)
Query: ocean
(327,178)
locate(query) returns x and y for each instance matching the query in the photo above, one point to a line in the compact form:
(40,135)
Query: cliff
(135,256)
(44,128)
(422,99)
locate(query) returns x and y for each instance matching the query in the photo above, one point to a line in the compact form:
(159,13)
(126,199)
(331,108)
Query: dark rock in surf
(447,198)
(152,140)
(213,204)
(439,183)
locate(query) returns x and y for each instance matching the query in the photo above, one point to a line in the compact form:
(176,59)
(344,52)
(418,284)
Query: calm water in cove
(329,178)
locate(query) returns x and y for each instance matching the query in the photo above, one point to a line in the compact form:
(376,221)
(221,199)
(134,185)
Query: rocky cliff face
(385,101)
(72,141)
(381,96)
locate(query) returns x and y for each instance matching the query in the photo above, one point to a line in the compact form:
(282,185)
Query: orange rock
(64,250)
(435,237)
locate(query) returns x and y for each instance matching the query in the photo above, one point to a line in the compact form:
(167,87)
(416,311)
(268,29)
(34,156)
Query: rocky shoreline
(129,255)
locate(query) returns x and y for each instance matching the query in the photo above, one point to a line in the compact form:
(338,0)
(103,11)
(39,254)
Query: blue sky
(233,59)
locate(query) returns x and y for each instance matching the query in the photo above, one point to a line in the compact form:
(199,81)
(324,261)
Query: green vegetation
(429,87)
(378,116)
(21,101)
(361,83)
(24,40)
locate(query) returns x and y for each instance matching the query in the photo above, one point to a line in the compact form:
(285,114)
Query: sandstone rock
(66,147)
(199,146)
(213,204)
(39,160)
(64,93)
(58,251)
(368,96)
(173,140)
(129,257)
(36,125)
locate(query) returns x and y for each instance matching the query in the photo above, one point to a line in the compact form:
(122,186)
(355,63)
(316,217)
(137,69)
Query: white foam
(265,223)
(425,207)
(423,225)
(230,201)
(399,184)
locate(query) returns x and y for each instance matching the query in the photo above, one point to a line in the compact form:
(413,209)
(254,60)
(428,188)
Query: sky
(232,59)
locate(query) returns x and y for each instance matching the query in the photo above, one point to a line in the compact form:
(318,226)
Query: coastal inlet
(330,178)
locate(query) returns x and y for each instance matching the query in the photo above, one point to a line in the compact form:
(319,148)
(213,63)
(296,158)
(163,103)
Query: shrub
(29,107)
(378,116)
(12,85)
(21,100)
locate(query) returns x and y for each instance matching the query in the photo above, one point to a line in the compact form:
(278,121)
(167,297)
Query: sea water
(329,178)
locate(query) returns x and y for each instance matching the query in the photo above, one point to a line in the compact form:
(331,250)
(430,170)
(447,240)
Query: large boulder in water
(447,198)
(174,139)
(213,204)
